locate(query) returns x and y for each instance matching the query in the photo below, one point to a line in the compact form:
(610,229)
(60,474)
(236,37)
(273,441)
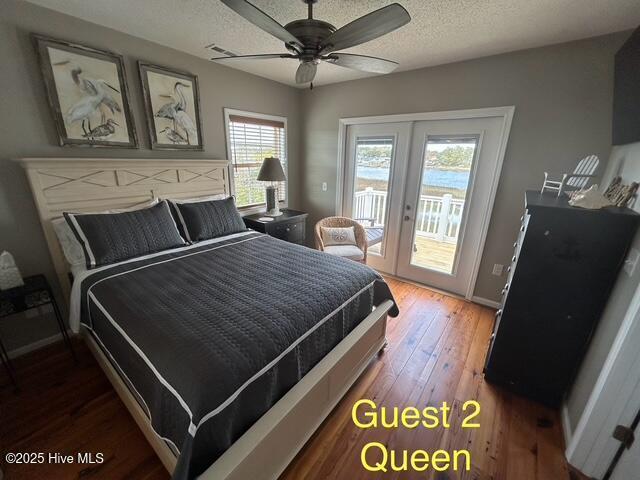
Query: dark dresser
(290,226)
(565,263)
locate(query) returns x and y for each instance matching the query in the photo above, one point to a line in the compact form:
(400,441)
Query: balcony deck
(430,254)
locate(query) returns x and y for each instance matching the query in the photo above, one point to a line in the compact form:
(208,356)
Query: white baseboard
(486,302)
(566,423)
(17,352)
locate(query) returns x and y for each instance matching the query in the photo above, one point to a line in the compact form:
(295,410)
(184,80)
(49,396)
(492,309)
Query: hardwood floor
(436,351)
(67,408)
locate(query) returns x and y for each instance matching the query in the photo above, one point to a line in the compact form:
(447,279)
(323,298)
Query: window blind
(251,141)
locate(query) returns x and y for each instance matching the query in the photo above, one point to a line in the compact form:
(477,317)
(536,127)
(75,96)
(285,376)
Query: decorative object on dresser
(290,226)
(35,293)
(271,171)
(620,194)
(356,251)
(590,198)
(87,93)
(571,182)
(565,264)
(172,106)
(9,274)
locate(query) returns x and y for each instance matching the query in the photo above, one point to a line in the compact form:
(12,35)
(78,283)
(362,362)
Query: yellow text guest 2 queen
(377,457)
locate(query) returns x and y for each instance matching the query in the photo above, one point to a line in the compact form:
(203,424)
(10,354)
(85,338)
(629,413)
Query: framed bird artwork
(172,105)
(87,93)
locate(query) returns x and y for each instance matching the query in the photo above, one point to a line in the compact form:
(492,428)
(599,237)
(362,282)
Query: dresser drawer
(289,231)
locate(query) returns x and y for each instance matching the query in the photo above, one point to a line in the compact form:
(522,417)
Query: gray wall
(27,128)
(563,100)
(624,161)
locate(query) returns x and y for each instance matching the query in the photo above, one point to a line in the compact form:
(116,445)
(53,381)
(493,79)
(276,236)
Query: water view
(445,179)
(447,166)
(454,179)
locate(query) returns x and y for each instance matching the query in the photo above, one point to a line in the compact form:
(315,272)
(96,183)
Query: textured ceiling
(441,31)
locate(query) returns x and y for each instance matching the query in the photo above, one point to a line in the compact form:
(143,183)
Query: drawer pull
(513,259)
(515,244)
(522,228)
(498,313)
(508,268)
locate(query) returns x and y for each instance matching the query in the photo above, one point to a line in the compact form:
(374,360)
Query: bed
(229,367)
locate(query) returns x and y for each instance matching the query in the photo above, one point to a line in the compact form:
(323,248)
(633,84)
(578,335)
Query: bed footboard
(265,450)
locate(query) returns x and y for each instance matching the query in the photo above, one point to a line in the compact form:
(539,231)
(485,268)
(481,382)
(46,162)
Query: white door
(374,177)
(451,176)
(423,187)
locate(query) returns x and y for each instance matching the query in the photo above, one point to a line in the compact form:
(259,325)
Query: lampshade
(271,170)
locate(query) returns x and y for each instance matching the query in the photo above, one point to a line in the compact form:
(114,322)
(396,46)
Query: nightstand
(35,292)
(290,226)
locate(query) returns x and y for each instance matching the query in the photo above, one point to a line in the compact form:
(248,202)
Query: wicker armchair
(360,233)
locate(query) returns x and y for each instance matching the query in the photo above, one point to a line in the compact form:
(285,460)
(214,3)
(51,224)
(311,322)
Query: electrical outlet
(497,269)
(325,187)
(631,261)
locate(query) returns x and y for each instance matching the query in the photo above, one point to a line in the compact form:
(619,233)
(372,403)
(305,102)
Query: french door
(373,194)
(423,190)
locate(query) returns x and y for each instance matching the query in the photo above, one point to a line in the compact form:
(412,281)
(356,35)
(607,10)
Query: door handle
(407,218)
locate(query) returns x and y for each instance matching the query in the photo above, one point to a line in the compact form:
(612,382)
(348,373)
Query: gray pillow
(209,219)
(112,237)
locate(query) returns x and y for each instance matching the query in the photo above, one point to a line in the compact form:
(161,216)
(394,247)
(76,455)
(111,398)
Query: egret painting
(87,91)
(173,108)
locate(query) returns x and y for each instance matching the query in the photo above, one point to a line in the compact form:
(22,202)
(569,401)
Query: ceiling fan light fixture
(310,40)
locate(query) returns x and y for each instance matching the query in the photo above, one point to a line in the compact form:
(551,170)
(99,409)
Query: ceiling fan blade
(306,72)
(260,19)
(362,62)
(366,28)
(263,56)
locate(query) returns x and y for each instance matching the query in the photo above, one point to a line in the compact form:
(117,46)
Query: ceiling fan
(310,40)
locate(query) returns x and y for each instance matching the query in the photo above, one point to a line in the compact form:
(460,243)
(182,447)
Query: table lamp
(271,171)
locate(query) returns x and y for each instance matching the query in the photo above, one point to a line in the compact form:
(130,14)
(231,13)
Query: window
(252,138)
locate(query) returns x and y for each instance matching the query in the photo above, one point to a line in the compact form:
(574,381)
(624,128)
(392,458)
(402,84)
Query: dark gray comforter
(210,338)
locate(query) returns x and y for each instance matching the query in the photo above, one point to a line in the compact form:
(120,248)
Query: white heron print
(89,95)
(172,104)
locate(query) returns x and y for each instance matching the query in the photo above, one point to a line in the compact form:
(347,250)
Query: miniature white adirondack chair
(577,180)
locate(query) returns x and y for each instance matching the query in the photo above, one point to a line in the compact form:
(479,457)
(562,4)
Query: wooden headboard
(95,184)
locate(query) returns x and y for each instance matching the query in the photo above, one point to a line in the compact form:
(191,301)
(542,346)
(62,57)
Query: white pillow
(71,247)
(338,236)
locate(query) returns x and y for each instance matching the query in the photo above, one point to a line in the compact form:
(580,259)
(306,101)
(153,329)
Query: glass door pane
(373,157)
(439,225)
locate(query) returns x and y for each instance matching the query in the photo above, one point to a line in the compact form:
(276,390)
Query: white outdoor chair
(374,234)
(577,180)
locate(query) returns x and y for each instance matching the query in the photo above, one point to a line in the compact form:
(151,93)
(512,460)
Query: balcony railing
(437,217)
